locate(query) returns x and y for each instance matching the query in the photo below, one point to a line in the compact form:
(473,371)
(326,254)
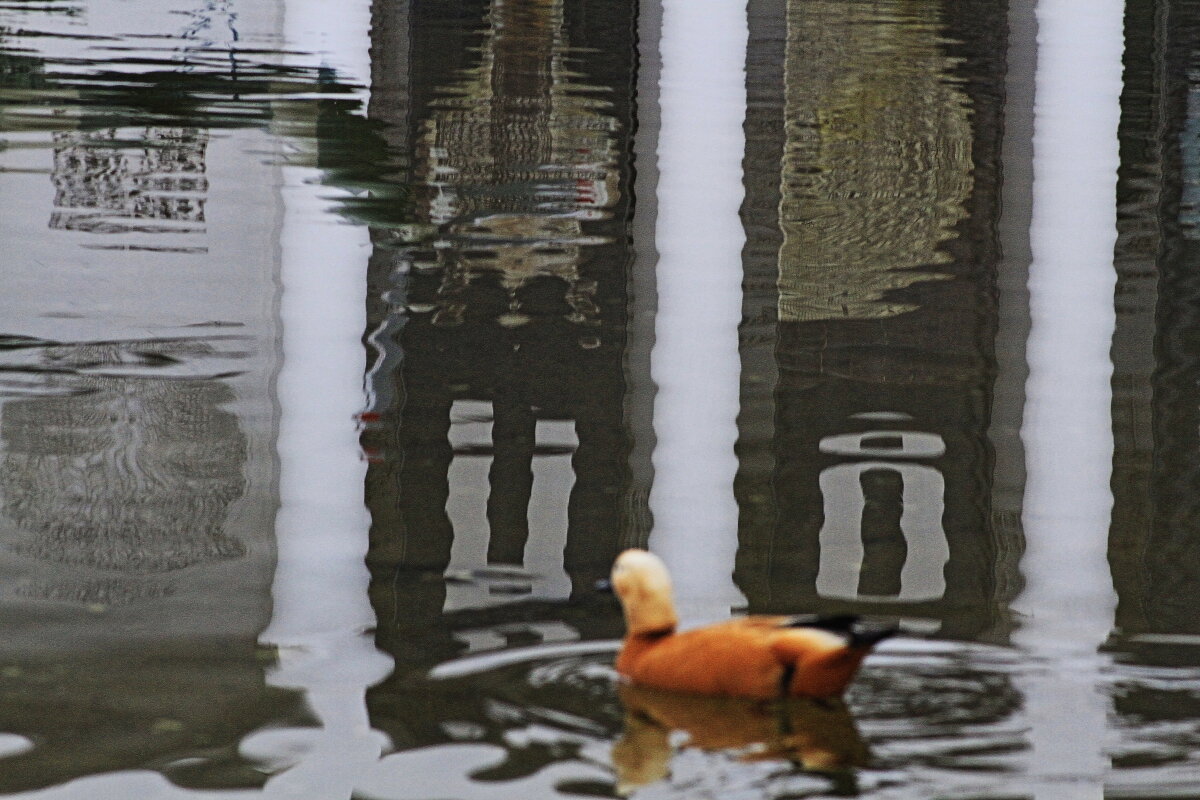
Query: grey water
(343,348)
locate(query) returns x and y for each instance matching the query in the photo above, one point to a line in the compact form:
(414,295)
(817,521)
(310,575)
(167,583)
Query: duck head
(643,585)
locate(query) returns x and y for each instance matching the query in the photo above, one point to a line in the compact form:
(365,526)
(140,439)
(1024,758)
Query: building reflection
(137,481)
(877,160)
(133,477)
(867,342)
(126,496)
(1156,361)
(1156,420)
(103,185)
(496,429)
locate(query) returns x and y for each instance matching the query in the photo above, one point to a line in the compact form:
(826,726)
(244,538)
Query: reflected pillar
(1067,432)
(320,589)
(1012,299)
(695,359)
(643,292)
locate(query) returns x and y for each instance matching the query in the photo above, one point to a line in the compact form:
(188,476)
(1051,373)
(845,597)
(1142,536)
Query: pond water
(342,351)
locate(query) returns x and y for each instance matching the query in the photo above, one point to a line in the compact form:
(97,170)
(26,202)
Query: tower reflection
(1156,420)
(136,483)
(870,316)
(496,431)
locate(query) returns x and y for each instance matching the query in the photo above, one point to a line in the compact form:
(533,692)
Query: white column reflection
(541,573)
(695,362)
(322,614)
(1068,602)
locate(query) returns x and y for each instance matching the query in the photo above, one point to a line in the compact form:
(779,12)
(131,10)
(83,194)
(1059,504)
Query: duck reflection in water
(815,734)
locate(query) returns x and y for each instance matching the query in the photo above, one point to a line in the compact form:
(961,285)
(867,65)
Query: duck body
(757,657)
(761,657)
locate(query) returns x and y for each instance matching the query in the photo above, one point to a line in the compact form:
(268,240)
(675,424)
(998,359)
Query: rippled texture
(129,476)
(865,423)
(877,164)
(496,387)
(268,268)
(1154,410)
(915,716)
(137,483)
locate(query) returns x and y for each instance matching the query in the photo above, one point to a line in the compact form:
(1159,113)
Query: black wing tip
(859,632)
(836,623)
(869,636)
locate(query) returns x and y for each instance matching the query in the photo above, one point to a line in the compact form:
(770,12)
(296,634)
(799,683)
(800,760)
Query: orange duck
(759,657)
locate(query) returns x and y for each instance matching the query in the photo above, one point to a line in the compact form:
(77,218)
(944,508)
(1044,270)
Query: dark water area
(326,343)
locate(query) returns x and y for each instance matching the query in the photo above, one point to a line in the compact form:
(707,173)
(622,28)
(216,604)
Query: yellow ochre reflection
(814,734)
(878,161)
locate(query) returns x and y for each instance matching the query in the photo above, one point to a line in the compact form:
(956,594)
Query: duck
(758,657)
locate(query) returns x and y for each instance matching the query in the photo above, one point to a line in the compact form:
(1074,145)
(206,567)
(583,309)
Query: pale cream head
(641,581)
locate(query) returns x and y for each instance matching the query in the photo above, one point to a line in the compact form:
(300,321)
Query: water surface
(340,355)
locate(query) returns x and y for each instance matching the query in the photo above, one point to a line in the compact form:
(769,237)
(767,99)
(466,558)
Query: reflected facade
(507,426)
(1154,413)
(869,313)
(138,484)
(497,430)
(104,187)
(1156,422)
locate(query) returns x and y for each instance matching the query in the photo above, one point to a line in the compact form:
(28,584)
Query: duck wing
(856,631)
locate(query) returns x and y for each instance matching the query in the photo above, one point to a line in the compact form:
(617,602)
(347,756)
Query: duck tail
(836,623)
(867,636)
